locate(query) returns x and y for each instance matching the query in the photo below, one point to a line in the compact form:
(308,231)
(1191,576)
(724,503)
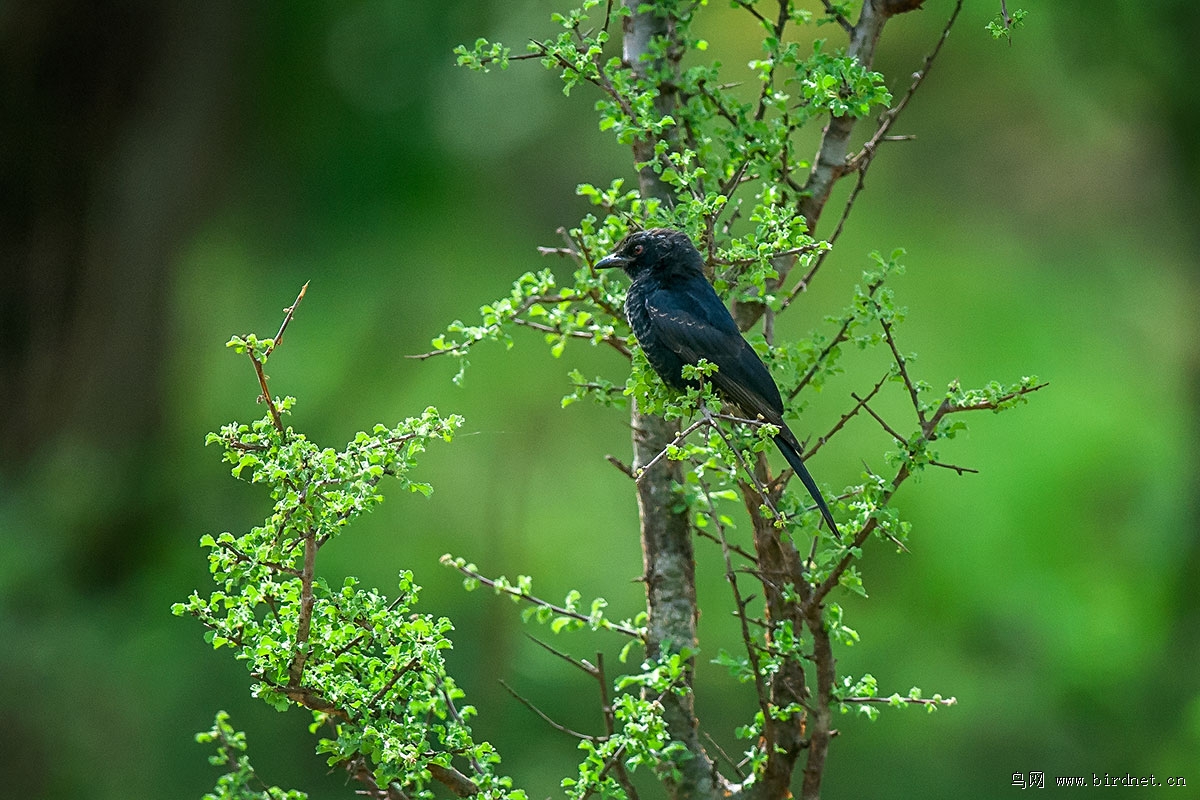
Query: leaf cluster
(368,666)
(241,781)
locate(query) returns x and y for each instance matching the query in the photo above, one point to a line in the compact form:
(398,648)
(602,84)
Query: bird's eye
(638,249)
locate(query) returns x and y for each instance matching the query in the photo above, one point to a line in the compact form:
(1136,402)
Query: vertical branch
(666,538)
(821,717)
(640,30)
(752,648)
(266,393)
(289,314)
(610,727)
(778,565)
(833,160)
(304,624)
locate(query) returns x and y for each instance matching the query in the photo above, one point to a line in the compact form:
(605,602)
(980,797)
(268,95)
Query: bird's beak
(614,260)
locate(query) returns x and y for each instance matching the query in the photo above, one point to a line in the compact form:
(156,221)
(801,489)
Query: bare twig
(882,423)
(838,338)
(621,465)
(803,284)
(266,394)
(544,716)
(257,360)
(579,664)
(760,687)
(755,13)
(741,551)
(565,252)
(903,472)
(737,768)
(838,16)
(955,467)
(862,159)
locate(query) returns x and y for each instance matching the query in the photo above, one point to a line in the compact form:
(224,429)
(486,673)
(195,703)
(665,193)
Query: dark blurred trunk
(112,119)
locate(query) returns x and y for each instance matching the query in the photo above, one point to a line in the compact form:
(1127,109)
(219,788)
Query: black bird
(678,319)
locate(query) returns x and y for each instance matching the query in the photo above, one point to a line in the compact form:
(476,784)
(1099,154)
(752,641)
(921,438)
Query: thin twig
(882,423)
(387,687)
(579,664)
(754,11)
(266,394)
(803,284)
(837,16)
(902,366)
(290,312)
(610,727)
(614,759)
(736,767)
(916,701)
(741,551)
(621,465)
(514,592)
(760,687)
(272,565)
(955,467)
(902,474)
(678,440)
(545,717)
(838,338)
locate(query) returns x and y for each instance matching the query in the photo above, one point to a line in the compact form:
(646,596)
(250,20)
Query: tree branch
(537,601)
(544,716)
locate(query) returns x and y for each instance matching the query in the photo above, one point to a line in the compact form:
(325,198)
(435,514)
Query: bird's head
(661,252)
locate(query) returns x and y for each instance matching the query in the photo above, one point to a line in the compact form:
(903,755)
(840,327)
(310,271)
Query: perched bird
(678,319)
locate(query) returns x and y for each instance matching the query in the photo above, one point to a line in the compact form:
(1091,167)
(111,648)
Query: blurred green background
(173,172)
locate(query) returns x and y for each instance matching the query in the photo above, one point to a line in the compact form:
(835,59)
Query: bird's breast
(663,359)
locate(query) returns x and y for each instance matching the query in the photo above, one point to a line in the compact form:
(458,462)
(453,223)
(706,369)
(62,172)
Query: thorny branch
(258,359)
(842,334)
(357,766)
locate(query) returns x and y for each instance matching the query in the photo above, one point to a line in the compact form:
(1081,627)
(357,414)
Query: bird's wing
(692,321)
